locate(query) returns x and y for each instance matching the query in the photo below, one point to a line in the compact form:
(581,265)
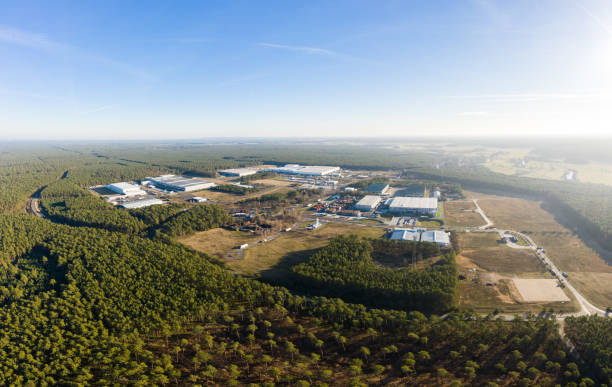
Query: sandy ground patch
(540,290)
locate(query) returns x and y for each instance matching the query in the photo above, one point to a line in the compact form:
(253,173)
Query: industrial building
(238,172)
(180,183)
(305,170)
(379,189)
(141,203)
(126,189)
(441,238)
(416,206)
(367,203)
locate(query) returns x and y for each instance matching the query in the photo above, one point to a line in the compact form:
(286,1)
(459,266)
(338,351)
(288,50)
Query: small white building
(141,203)
(126,189)
(197,199)
(367,203)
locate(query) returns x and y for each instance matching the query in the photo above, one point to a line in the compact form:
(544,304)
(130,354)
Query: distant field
(591,172)
(564,247)
(459,213)
(272,258)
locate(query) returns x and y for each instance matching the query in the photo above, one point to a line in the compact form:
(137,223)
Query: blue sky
(127,69)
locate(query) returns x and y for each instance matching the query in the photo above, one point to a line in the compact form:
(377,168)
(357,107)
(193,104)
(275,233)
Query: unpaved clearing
(540,290)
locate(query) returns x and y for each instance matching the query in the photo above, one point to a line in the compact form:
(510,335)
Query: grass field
(483,260)
(459,213)
(273,258)
(485,251)
(474,295)
(218,242)
(566,249)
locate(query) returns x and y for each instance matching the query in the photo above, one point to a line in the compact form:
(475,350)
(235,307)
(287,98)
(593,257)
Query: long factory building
(141,203)
(304,170)
(238,172)
(180,183)
(411,205)
(126,189)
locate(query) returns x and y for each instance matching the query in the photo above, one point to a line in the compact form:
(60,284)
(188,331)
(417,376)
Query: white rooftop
(369,200)
(410,202)
(297,169)
(141,203)
(124,186)
(433,236)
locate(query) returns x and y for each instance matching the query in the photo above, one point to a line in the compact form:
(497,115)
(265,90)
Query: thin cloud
(97,109)
(527,97)
(40,42)
(31,40)
(304,49)
(595,18)
(473,114)
(494,13)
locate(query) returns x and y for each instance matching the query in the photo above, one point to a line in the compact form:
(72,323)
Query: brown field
(271,259)
(540,290)
(599,285)
(227,198)
(459,213)
(485,251)
(473,294)
(564,247)
(274,182)
(485,261)
(218,242)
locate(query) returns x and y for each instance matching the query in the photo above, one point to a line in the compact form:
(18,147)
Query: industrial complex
(180,183)
(305,170)
(413,205)
(441,238)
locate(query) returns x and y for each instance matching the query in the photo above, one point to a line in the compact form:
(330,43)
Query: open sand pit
(540,290)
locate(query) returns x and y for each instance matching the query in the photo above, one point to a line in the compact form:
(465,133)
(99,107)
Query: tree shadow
(280,273)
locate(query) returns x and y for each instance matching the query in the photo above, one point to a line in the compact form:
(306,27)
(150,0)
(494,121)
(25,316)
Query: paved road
(33,207)
(483,215)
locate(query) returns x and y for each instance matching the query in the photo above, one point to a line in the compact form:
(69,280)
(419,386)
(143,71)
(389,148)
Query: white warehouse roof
(124,188)
(181,183)
(238,172)
(141,203)
(309,170)
(405,235)
(401,202)
(434,236)
(368,202)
